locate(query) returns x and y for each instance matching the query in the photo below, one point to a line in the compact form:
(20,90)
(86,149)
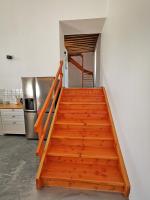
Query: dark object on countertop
(9,57)
(21,100)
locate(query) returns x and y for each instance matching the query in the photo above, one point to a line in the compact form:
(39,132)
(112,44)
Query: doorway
(81,64)
(80,50)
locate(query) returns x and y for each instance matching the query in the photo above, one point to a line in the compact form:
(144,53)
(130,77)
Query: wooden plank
(82,151)
(83,103)
(83,121)
(109,175)
(84,130)
(83,108)
(83,91)
(122,165)
(82,99)
(92,115)
(82,185)
(78,160)
(81,134)
(95,142)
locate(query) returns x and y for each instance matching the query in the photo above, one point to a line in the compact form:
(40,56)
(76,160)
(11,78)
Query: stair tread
(82,95)
(82,103)
(81,135)
(87,98)
(83,172)
(82,151)
(87,132)
(82,121)
(82,111)
(86,92)
(83,116)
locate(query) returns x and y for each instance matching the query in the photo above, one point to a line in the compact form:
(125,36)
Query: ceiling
(81,43)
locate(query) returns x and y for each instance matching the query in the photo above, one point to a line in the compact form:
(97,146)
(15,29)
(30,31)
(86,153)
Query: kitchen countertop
(11,106)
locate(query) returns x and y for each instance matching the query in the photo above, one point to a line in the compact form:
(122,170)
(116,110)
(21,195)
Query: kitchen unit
(11,119)
(35,91)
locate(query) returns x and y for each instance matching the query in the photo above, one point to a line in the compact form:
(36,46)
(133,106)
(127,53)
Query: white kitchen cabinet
(12,121)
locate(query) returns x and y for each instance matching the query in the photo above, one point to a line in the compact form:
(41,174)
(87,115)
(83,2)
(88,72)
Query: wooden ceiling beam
(81,43)
(80,47)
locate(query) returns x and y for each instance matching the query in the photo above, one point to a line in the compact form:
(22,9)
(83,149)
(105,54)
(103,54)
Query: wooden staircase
(87,76)
(82,150)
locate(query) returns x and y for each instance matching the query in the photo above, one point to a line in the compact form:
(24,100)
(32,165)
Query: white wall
(29,30)
(97,82)
(126,76)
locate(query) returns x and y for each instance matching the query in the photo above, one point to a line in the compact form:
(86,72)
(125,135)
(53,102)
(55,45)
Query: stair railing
(40,127)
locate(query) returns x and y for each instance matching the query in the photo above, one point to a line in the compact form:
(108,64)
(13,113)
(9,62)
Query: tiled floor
(18,166)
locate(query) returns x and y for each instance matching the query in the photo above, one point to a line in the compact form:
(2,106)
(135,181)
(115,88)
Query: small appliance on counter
(35,91)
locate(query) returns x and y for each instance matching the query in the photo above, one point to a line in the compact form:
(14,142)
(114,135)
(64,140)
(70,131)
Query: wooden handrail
(40,127)
(80,67)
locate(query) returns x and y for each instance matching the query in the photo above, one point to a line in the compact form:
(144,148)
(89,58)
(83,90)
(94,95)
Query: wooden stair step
(82,111)
(83,116)
(82,103)
(79,160)
(102,143)
(81,99)
(83,107)
(83,121)
(82,151)
(81,185)
(83,95)
(88,173)
(83,91)
(78,131)
(81,134)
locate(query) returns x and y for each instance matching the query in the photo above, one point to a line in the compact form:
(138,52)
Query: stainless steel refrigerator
(35,91)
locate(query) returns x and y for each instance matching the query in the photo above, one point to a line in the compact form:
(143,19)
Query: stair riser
(81,135)
(83,142)
(83,108)
(82,92)
(93,129)
(82,185)
(82,95)
(82,117)
(79,99)
(83,111)
(92,161)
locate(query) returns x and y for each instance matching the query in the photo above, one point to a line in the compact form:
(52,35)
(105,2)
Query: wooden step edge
(81,123)
(110,183)
(79,155)
(82,89)
(78,112)
(82,103)
(83,137)
(81,186)
(82,95)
